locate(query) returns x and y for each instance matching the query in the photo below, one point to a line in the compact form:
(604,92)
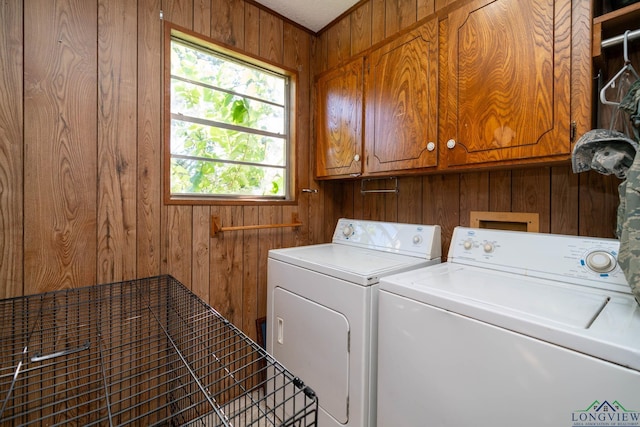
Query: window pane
(195,140)
(228,123)
(205,177)
(205,103)
(215,70)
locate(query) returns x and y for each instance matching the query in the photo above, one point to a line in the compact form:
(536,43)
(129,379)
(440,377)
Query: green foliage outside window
(228,126)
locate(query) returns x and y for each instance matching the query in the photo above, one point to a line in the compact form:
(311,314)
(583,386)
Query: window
(228,125)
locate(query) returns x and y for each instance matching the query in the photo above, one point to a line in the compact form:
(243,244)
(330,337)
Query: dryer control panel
(575,259)
(407,239)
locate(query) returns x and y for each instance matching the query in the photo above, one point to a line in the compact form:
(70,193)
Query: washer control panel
(407,239)
(575,258)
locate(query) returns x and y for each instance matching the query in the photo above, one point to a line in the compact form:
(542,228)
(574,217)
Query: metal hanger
(626,68)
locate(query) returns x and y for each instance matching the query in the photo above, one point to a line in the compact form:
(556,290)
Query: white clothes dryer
(322,310)
(515,329)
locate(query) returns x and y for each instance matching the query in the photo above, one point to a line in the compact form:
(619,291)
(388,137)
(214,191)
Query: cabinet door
(339,121)
(401,102)
(508,82)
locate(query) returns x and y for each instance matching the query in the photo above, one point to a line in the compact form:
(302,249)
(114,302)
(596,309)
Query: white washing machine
(322,310)
(515,329)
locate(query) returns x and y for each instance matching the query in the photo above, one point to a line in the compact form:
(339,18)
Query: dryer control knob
(601,261)
(347,230)
(488,247)
(467,244)
(417,239)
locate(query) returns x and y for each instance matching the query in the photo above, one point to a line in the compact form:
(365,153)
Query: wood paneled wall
(11,149)
(80,172)
(582,204)
(81,149)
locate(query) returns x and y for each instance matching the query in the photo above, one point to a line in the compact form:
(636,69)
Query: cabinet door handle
(356,158)
(431,146)
(451,143)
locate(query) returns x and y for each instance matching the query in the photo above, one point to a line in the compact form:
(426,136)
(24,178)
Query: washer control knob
(347,230)
(467,244)
(601,261)
(488,247)
(417,239)
(431,146)
(451,143)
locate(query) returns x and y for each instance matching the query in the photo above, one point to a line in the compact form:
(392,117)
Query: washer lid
(599,322)
(354,264)
(522,296)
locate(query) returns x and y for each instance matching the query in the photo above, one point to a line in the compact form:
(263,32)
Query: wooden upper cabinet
(507,87)
(401,119)
(339,121)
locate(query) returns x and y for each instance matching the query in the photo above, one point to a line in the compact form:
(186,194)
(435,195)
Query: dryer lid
(353,264)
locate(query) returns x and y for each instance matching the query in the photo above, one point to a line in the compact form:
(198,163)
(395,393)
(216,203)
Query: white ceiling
(311,14)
